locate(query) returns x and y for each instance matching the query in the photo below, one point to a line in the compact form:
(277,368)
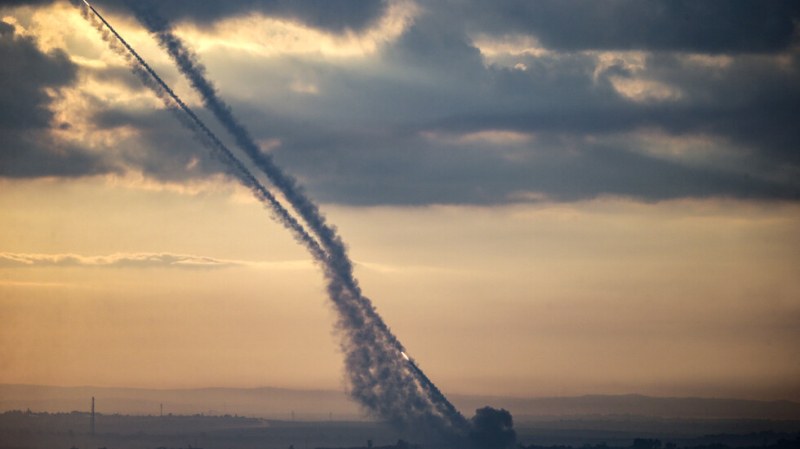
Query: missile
(412,364)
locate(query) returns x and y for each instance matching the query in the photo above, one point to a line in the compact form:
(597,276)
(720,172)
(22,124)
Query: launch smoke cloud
(382,377)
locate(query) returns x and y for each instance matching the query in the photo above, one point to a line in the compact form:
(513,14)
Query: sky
(542,198)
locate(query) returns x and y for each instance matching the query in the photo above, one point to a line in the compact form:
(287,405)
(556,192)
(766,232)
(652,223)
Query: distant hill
(636,405)
(279,403)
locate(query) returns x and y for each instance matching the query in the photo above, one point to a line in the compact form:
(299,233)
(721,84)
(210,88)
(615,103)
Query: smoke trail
(356,324)
(189,119)
(380,379)
(357,362)
(187,63)
(195,72)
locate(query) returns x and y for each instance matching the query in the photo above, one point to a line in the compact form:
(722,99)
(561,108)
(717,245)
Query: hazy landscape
(310,405)
(43,417)
(19,430)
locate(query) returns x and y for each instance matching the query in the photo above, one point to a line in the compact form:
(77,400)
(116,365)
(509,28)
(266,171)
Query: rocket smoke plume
(382,378)
(365,389)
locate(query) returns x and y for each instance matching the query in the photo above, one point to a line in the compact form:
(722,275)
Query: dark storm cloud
(715,26)
(754,102)
(573,111)
(25,73)
(26,149)
(436,42)
(332,15)
(396,129)
(413,171)
(372,154)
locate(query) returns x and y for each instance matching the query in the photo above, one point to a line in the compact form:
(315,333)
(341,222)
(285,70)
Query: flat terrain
(66,430)
(28,430)
(324,405)
(42,417)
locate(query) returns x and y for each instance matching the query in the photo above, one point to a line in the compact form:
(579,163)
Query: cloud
(338,16)
(141,260)
(468,103)
(121,260)
(267,36)
(660,25)
(62,118)
(575,103)
(30,82)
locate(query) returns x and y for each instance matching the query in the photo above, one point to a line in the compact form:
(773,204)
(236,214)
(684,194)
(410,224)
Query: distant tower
(161,412)
(92,415)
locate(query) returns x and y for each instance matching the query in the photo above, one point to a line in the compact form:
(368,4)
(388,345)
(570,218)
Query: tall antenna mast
(92,415)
